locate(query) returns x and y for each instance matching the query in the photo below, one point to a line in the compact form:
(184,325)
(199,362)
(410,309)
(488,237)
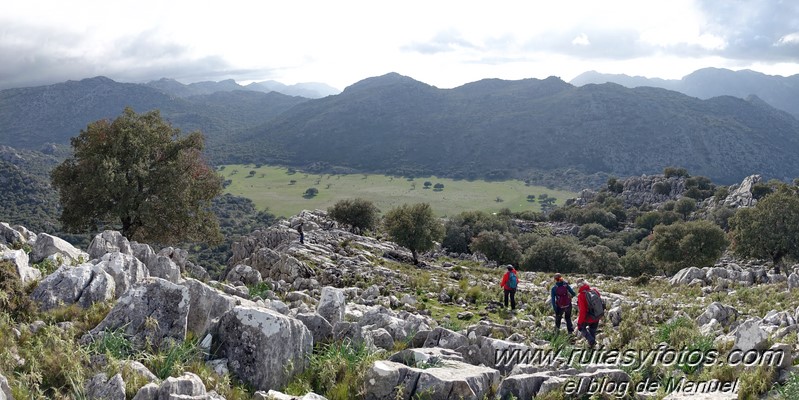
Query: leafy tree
(554,253)
(770,229)
(427,184)
(310,192)
(669,172)
(685,206)
(614,185)
(141,172)
(461,229)
(531,198)
(438,187)
(501,247)
(662,188)
(356,213)
(686,244)
(414,226)
(651,219)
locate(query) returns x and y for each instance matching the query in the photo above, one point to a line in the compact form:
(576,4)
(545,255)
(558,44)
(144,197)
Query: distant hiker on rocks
(302,235)
(590,310)
(562,294)
(509,283)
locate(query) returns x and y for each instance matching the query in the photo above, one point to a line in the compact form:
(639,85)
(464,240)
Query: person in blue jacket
(562,295)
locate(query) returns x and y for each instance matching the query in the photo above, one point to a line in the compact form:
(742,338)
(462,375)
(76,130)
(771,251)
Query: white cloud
(792,38)
(581,40)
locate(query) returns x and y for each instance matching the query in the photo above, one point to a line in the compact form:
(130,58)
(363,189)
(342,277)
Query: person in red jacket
(586,323)
(509,283)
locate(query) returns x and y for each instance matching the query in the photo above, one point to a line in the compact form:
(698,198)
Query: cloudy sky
(443,43)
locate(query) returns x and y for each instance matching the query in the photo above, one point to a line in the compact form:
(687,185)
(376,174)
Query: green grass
(269,187)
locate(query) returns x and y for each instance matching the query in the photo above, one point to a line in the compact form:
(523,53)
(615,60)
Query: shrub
(676,172)
(593,229)
(497,246)
(553,254)
(356,213)
(686,244)
(14,299)
(662,188)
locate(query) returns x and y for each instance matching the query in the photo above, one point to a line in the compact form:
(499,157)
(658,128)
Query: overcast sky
(443,43)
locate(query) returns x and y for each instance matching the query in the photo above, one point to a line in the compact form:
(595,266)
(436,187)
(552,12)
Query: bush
(686,244)
(675,172)
(310,193)
(355,213)
(634,263)
(14,298)
(600,259)
(662,188)
(593,229)
(461,229)
(497,246)
(561,254)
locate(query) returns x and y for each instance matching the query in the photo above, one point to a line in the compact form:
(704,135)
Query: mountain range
(311,90)
(780,92)
(392,123)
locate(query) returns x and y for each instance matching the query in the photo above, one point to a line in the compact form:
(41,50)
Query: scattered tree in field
(438,187)
(310,193)
(499,199)
(531,198)
(140,172)
(252,173)
(293,181)
(415,227)
(686,244)
(427,184)
(769,230)
(356,213)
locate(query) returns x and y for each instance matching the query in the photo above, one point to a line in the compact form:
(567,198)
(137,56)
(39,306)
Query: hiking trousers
(561,313)
(512,294)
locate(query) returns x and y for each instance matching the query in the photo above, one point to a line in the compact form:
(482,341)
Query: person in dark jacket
(586,324)
(302,234)
(562,295)
(509,286)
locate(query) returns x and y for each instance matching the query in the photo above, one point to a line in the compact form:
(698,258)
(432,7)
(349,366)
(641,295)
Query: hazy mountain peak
(389,79)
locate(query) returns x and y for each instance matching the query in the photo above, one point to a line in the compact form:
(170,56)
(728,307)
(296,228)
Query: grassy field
(281,191)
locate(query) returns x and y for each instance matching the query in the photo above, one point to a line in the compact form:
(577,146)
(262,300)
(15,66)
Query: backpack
(512,280)
(562,298)
(596,308)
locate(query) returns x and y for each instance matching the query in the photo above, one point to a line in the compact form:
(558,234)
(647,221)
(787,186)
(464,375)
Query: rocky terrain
(433,330)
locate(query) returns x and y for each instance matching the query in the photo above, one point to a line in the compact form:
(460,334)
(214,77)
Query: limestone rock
(332,304)
(124,268)
(614,315)
(19,258)
(687,275)
(723,314)
(749,336)
(147,392)
(187,384)
(742,195)
(100,387)
(448,380)
(207,305)
(445,338)
(47,245)
(264,348)
(109,242)
(5,390)
(163,267)
(153,311)
(320,328)
(85,284)
(793,281)
(244,274)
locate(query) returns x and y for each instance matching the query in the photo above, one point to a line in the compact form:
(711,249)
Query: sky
(442,43)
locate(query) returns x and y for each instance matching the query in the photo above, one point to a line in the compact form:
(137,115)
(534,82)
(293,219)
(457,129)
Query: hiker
(299,229)
(562,294)
(509,283)
(590,310)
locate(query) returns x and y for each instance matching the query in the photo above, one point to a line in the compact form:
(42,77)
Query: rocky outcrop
(109,242)
(85,285)
(207,305)
(51,246)
(331,304)
(264,349)
(153,312)
(741,195)
(447,379)
(321,329)
(124,268)
(101,387)
(24,271)
(244,274)
(718,312)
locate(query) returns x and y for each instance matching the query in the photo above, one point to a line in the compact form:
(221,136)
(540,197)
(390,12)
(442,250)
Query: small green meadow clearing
(281,191)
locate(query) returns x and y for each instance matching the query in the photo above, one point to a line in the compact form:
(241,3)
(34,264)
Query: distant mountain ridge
(310,90)
(780,92)
(30,117)
(495,129)
(491,128)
